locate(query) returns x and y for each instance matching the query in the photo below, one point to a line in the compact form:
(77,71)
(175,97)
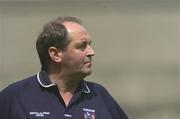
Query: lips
(88,63)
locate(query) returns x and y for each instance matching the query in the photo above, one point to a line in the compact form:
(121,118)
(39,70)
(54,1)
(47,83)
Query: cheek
(78,54)
(80,57)
(75,58)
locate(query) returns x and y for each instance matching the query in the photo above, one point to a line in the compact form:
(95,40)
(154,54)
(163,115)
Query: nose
(90,51)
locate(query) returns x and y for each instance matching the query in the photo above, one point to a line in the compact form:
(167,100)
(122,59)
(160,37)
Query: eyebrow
(87,41)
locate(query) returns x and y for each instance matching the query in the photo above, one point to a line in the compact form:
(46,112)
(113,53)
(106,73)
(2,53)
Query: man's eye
(84,45)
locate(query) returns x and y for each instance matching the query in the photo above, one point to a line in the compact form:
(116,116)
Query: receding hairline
(73,26)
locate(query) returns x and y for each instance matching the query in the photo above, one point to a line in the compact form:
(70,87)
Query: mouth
(88,63)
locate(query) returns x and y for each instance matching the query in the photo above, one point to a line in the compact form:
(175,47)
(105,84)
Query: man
(59,90)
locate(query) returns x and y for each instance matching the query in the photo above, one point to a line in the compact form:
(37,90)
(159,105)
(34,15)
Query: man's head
(54,34)
(65,42)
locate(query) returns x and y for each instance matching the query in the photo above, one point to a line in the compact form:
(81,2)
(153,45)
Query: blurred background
(136,43)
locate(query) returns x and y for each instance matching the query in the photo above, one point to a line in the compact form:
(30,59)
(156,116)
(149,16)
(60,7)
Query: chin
(86,73)
(89,73)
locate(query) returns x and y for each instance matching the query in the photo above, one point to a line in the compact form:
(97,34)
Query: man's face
(77,56)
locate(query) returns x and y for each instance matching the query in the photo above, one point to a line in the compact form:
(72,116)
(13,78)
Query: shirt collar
(83,87)
(43,79)
(45,82)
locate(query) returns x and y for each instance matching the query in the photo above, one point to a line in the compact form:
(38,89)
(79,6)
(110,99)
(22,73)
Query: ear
(55,54)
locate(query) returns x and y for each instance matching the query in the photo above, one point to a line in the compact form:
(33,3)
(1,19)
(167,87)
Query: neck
(66,85)
(66,81)
(63,83)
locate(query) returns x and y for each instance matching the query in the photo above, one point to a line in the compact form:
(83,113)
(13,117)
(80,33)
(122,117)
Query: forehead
(74,27)
(76,30)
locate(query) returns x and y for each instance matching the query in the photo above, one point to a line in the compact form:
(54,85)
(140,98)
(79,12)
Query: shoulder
(100,90)
(97,88)
(113,107)
(16,88)
(10,97)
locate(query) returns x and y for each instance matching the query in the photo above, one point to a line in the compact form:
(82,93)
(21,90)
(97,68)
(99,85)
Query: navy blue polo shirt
(37,98)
